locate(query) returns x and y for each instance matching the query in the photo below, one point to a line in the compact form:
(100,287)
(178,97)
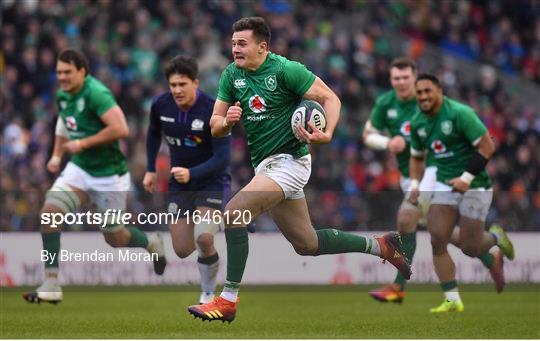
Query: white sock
(452,295)
(152,239)
(208,273)
(230,291)
(373,246)
(51,275)
(155,243)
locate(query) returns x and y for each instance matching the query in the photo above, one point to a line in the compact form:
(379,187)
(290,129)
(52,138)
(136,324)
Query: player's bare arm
(115,128)
(416,169)
(224,118)
(485,149)
(61,136)
(375,140)
(321,93)
(53,165)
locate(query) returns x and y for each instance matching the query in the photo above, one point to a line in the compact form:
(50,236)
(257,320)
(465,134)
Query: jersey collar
(81,90)
(197,96)
(260,66)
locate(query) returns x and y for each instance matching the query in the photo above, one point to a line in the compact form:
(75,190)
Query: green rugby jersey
(394,115)
(268,97)
(450,137)
(81,115)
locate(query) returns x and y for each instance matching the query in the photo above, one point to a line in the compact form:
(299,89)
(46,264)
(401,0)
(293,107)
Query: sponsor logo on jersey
(438,147)
(192,141)
(257,104)
(188,141)
(71,123)
(391,113)
(422,132)
(173,140)
(240,83)
(446,127)
(271,82)
(197,125)
(80,104)
(257,118)
(166,119)
(63,105)
(405,128)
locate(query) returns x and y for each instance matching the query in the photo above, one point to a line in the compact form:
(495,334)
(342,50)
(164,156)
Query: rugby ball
(308,111)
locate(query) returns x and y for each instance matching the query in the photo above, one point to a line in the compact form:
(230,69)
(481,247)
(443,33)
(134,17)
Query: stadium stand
(350,186)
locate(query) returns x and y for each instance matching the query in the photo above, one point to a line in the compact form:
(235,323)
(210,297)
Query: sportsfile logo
(108,218)
(114,217)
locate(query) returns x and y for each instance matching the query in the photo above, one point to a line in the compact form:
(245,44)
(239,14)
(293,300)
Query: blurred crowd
(343,42)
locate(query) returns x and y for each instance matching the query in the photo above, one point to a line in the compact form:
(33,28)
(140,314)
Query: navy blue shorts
(212,195)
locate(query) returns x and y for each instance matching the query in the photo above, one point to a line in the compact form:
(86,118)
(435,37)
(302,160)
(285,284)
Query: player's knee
(205,242)
(119,237)
(438,245)
(471,250)
(46,208)
(115,241)
(305,249)
(407,219)
(183,252)
(406,225)
(60,199)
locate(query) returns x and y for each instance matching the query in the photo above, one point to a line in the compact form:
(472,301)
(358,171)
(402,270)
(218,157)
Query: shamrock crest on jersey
(446,127)
(271,82)
(81,104)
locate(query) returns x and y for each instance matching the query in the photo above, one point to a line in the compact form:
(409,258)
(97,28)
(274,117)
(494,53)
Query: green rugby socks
(237,254)
(51,244)
(408,241)
(138,238)
(332,241)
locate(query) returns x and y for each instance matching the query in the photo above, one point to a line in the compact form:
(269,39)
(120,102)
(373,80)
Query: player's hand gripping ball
(308,112)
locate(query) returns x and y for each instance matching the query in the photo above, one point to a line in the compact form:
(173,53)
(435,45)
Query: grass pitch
(273,312)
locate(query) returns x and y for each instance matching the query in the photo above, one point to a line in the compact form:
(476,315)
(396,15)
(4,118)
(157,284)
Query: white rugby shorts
(289,173)
(107,192)
(473,204)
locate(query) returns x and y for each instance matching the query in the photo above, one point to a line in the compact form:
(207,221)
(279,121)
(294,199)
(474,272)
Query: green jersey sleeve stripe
(477,141)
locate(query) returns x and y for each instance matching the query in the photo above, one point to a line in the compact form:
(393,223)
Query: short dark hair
(182,65)
(403,63)
(260,29)
(76,57)
(429,77)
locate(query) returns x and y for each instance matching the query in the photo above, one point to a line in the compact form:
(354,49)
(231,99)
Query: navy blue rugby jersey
(189,137)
